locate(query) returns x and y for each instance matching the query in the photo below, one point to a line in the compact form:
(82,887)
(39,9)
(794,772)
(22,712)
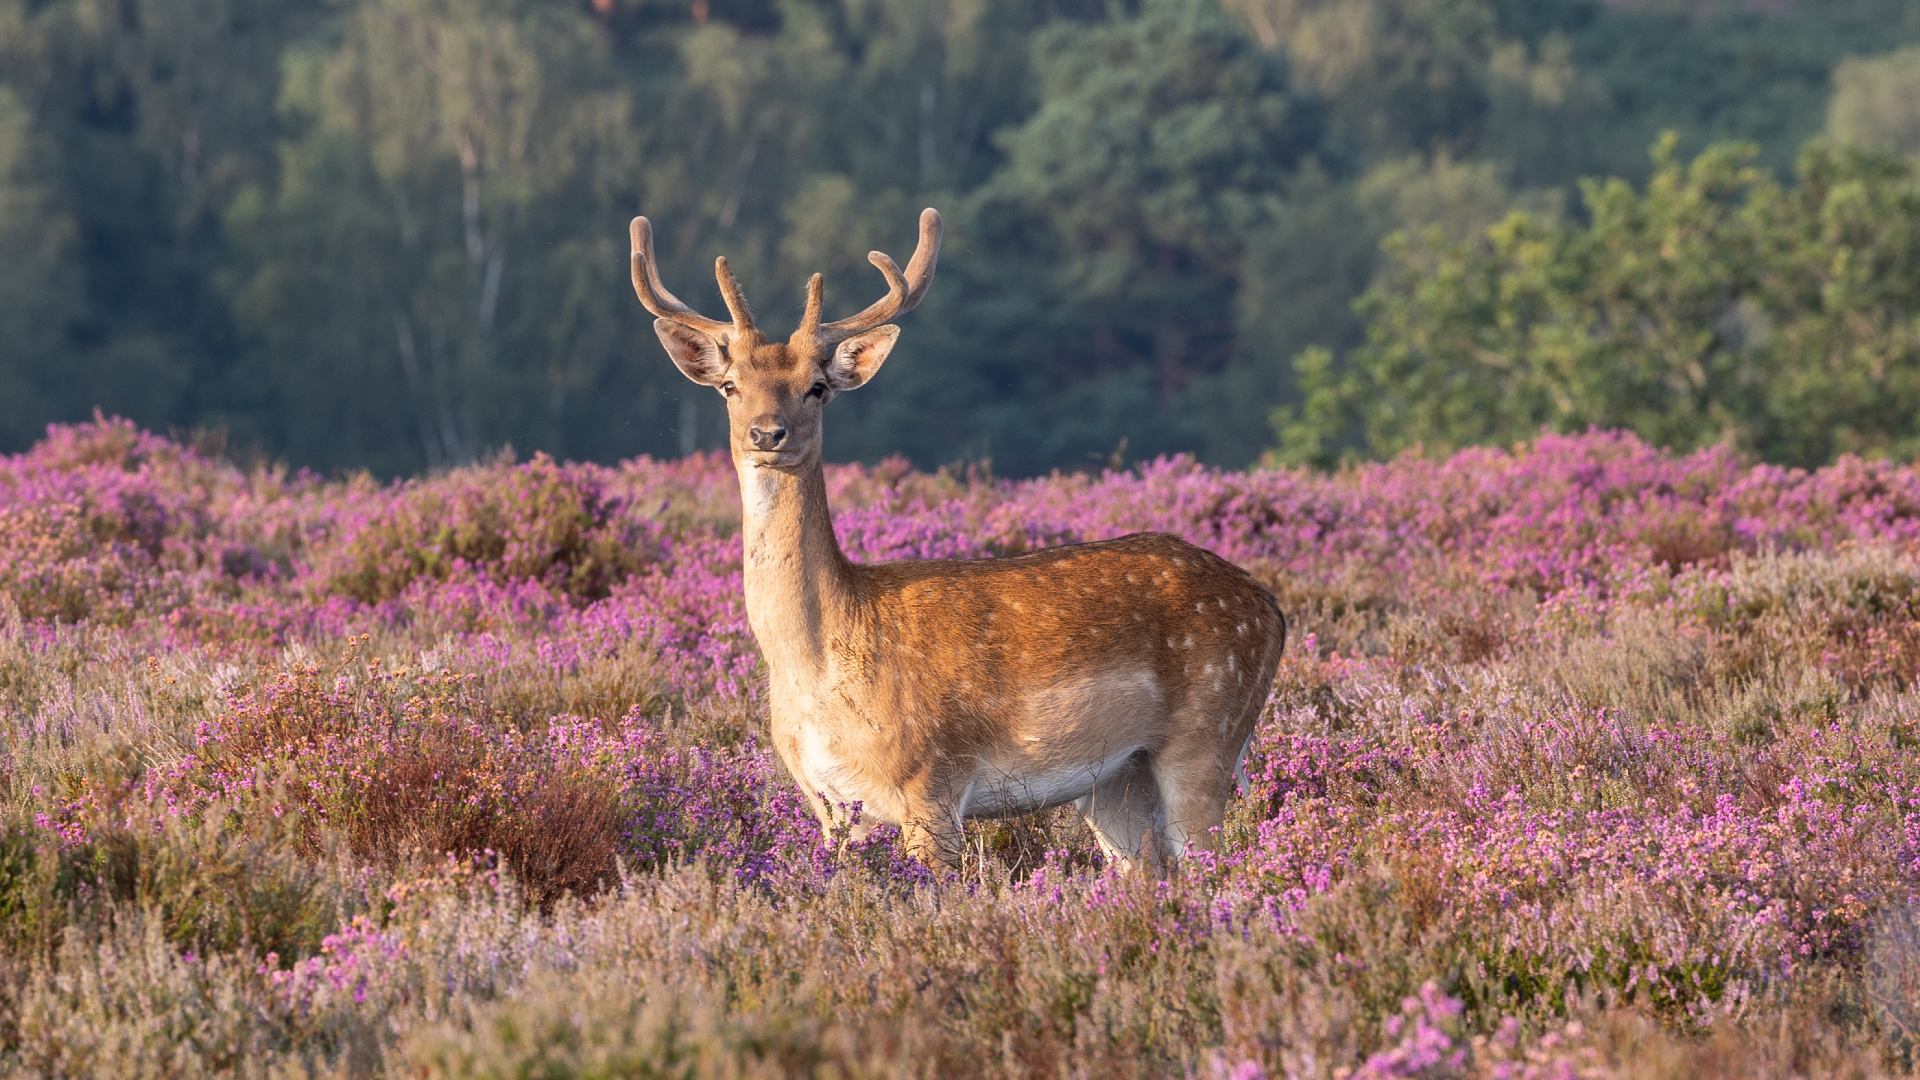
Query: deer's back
(1056,651)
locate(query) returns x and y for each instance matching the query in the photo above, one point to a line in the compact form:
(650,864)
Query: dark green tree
(1876,101)
(388,233)
(40,285)
(1119,223)
(416,287)
(1713,305)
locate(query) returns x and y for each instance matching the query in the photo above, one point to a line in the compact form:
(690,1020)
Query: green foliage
(386,234)
(1876,102)
(38,279)
(1403,77)
(1714,304)
(438,146)
(1161,143)
(1288,304)
(1725,70)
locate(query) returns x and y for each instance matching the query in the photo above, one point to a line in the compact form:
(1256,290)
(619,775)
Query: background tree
(39,282)
(1876,101)
(409,243)
(388,233)
(1119,219)
(1714,304)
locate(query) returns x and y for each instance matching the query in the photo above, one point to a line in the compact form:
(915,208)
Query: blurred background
(391,234)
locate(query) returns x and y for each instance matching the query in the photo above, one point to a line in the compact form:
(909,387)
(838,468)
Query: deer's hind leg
(1196,775)
(1125,814)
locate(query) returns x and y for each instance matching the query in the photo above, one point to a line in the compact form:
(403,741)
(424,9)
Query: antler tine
(654,296)
(736,300)
(926,252)
(810,318)
(878,312)
(904,291)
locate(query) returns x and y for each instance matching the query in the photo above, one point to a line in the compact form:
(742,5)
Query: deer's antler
(655,297)
(904,291)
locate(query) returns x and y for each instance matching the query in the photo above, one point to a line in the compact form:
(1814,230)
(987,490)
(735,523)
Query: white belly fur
(996,792)
(1079,732)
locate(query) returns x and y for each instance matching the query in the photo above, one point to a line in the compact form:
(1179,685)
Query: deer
(1125,676)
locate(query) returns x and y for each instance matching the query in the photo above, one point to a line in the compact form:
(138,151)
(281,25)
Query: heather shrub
(557,829)
(31,912)
(88,550)
(203,885)
(609,682)
(1854,613)
(593,1025)
(542,521)
(103,521)
(125,1001)
(1893,980)
(1585,760)
(395,765)
(114,442)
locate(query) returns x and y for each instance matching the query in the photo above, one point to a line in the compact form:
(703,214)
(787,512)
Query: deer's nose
(767,434)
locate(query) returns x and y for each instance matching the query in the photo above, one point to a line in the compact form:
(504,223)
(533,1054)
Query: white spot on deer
(1241,629)
(1200,606)
(1189,643)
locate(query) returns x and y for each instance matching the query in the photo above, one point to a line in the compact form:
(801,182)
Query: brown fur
(1125,675)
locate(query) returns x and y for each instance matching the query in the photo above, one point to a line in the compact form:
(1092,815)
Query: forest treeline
(390,234)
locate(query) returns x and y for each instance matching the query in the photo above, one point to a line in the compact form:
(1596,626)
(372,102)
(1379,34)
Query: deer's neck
(799,586)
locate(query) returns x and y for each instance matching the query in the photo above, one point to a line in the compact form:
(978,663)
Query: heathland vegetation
(389,233)
(1593,752)
(1590,760)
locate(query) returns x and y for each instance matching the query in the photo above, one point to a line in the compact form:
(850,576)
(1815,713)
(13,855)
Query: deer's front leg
(930,828)
(786,743)
(932,834)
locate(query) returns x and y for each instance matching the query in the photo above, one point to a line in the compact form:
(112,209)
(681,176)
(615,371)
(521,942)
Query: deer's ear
(856,359)
(695,353)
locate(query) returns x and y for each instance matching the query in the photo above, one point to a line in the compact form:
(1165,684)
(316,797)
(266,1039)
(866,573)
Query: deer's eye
(817,390)
(727,388)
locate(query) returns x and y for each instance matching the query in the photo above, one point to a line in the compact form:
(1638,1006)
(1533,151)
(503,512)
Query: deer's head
(775,391)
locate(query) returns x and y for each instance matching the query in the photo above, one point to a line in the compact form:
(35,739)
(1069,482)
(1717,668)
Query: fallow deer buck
(1126,674)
